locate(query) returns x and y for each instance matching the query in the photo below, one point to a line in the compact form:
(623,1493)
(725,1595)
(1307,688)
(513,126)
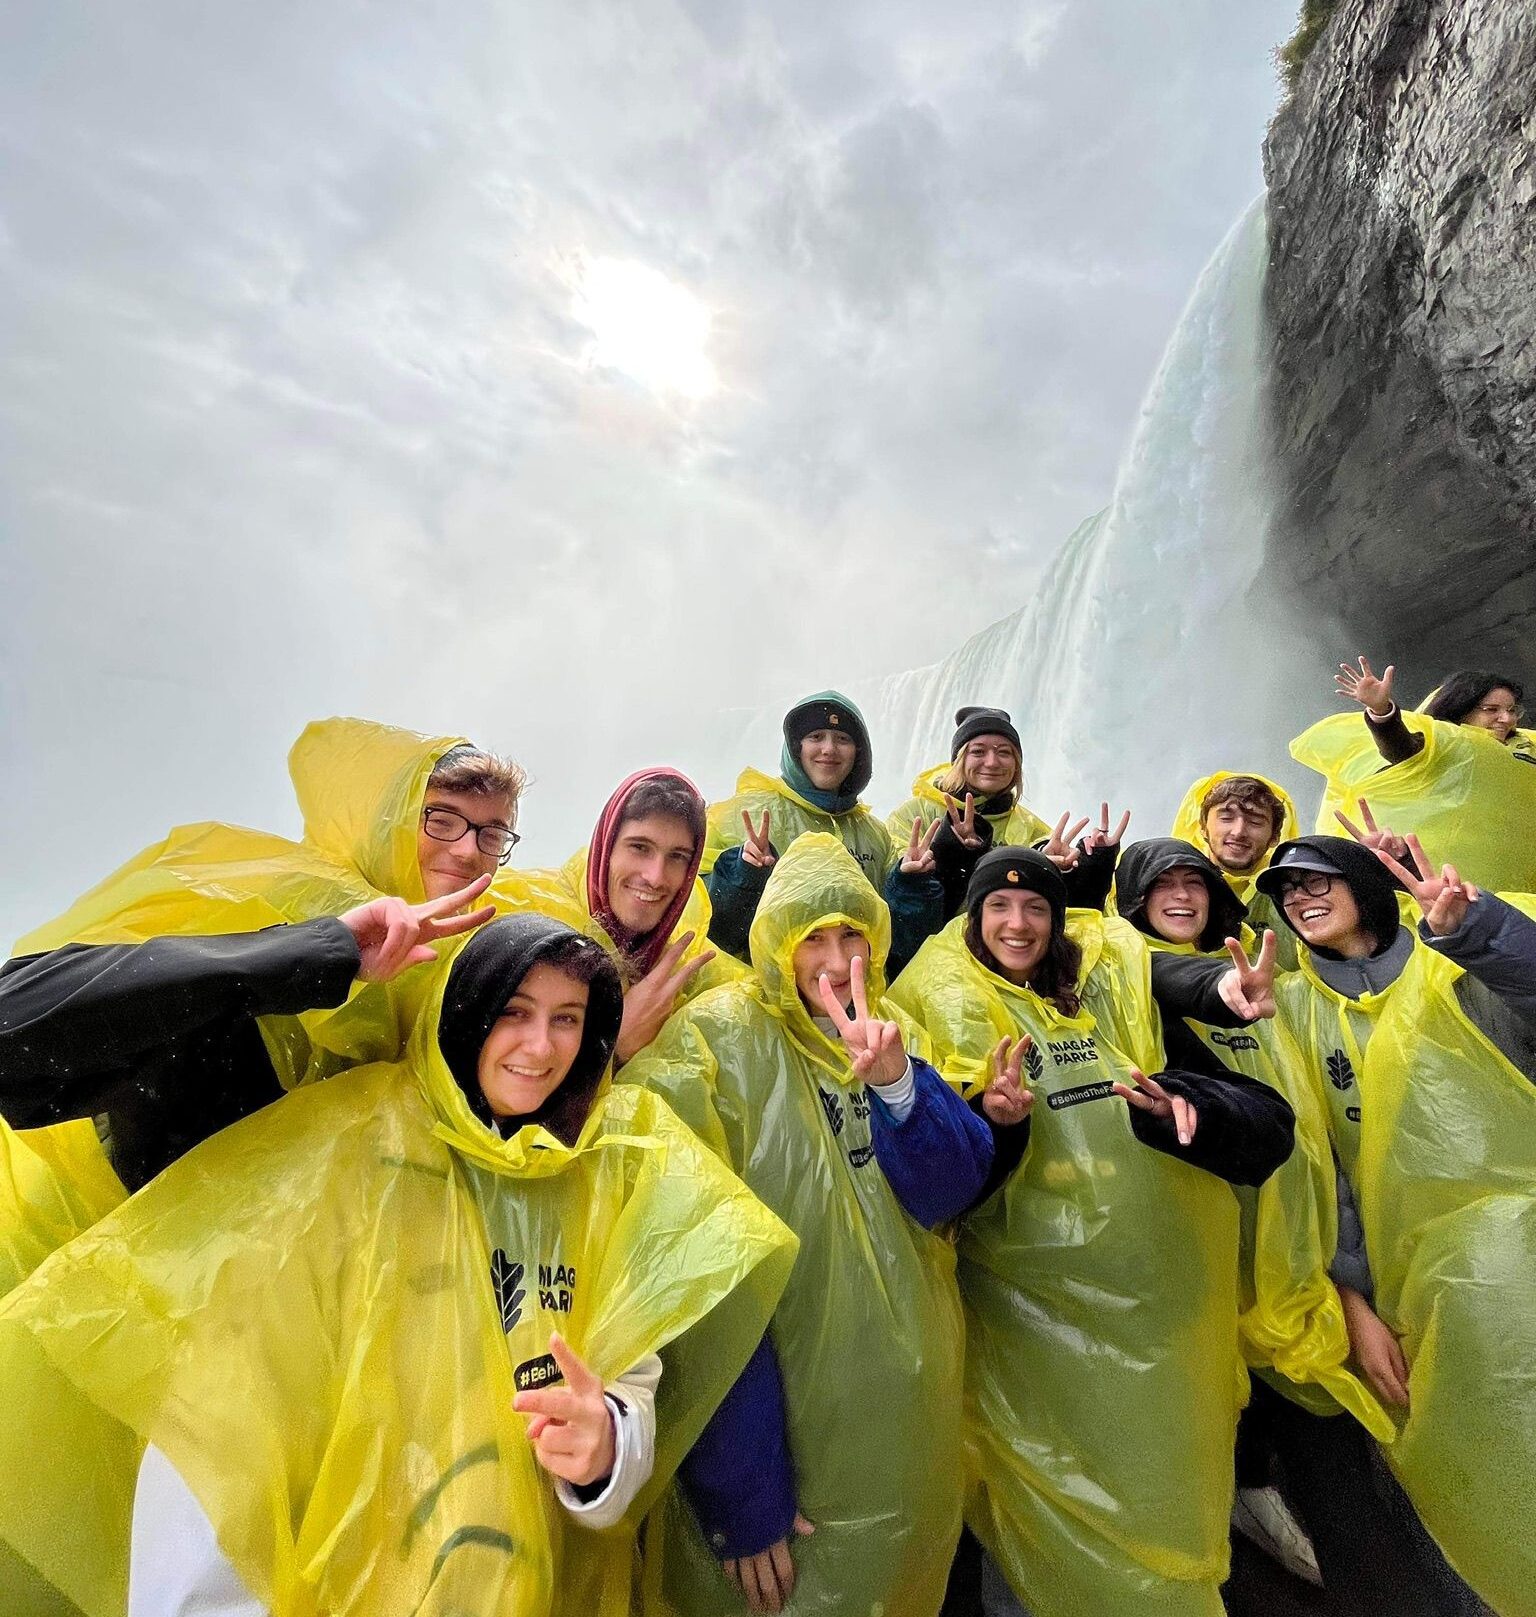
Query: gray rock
(1401,299)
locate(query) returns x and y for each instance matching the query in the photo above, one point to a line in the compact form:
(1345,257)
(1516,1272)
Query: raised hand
(1150,1096)
(572,1426)
(1006,1100)
(1101,836)
(874,1048)
(1444,899)
(1059,849)
(1375,1349)
(918,859)
(392,934)
(1248,990)
(1362,685)
(649,1002)
(1371,835)
(963,820)
(767,1579)
(757,849)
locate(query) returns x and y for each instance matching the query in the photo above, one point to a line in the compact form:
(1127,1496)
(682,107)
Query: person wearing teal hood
(825,763)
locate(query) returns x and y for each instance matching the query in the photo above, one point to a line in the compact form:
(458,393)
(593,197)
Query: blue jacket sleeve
(1496,943)
(734,890)
(917,912)
(938,1157)
(737,1477)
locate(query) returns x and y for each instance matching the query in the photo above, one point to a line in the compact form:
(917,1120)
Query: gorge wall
(1401,305)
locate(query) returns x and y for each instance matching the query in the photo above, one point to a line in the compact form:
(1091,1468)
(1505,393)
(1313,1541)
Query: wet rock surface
(1401,302)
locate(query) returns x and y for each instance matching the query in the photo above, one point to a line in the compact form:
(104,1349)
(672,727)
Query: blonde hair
(952,783)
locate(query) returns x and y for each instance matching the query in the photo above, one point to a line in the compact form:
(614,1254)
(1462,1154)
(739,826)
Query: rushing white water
(1150,654)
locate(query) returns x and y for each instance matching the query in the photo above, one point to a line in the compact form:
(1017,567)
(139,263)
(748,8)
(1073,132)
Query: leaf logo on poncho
(1340,1073)
(833,1107)
(1034,1063)
(507,1278)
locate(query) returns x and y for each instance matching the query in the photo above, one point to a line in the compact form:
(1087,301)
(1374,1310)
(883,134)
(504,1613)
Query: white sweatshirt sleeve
(632,1403)
(175,1566)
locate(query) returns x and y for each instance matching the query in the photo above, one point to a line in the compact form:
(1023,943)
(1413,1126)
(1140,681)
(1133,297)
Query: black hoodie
(1143,862)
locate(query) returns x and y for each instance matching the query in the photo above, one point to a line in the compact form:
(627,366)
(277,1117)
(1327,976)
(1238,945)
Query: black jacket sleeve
(74,1016)
(1088,882)
(956,861)
(735,887)
(1244,1129)
(1009,1143)
(1187,985)
(917,911)
(1394,740)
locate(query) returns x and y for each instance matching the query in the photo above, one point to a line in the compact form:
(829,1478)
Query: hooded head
(1220,814)
(481,1001)
(1144,862)
(361,788)
(643,859)
(816,884)
(1373,890)
(827,710)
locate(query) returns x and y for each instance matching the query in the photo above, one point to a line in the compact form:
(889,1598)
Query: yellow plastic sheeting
(1291,1325)
(1103,1376)
(54,1182)
(322,1316)
(562,893)
(1471,800)
(859,831)
(1019,827)
(868,1334)
(1443,1165)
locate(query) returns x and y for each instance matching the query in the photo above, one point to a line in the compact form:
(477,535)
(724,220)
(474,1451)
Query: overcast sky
(560,373)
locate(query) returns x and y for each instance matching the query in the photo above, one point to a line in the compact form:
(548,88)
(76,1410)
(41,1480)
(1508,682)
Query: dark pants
(1374,1553)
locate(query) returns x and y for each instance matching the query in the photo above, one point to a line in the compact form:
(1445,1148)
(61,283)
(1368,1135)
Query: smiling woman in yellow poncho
(321,1318)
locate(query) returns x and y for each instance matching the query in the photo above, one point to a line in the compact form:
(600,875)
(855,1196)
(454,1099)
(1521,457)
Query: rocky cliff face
(1401,299)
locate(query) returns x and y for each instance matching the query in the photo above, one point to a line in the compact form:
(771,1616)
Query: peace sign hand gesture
(392,934)
(572,1426)
(963,821)
(1372,836)
(1006,1100)
(874,1048)
(1443,899)
(654,998)
(1101,836)
(757,849)
(918,859)
(1150,1096)
(1059,849)
(1248,990)
(1363,686)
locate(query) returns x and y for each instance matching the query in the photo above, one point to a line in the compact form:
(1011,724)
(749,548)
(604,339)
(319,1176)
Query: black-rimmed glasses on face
(1314,883)
(448,825)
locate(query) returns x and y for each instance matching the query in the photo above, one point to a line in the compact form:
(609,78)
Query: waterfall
(1150,654)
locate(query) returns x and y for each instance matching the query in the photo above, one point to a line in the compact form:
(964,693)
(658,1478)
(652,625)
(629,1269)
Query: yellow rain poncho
(322,1316)
(791,816)
(1103,1376)
(563,894)
(1189,827)
(1437,1133)
(1470,799)
(868,1334)
(1019,827)
(360,787)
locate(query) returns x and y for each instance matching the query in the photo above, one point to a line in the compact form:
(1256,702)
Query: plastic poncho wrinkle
(868,1334)
(353,1440)
(1102,1367)
(1470,799)
(1441,1163)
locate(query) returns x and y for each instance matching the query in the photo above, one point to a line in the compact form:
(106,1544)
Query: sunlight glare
(646,326)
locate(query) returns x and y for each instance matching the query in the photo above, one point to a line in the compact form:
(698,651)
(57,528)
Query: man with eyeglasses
(222,965)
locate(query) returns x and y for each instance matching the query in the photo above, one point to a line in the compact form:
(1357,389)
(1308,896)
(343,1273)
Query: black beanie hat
(1016,870)
(1374,887)
(484,976)
(971,722)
